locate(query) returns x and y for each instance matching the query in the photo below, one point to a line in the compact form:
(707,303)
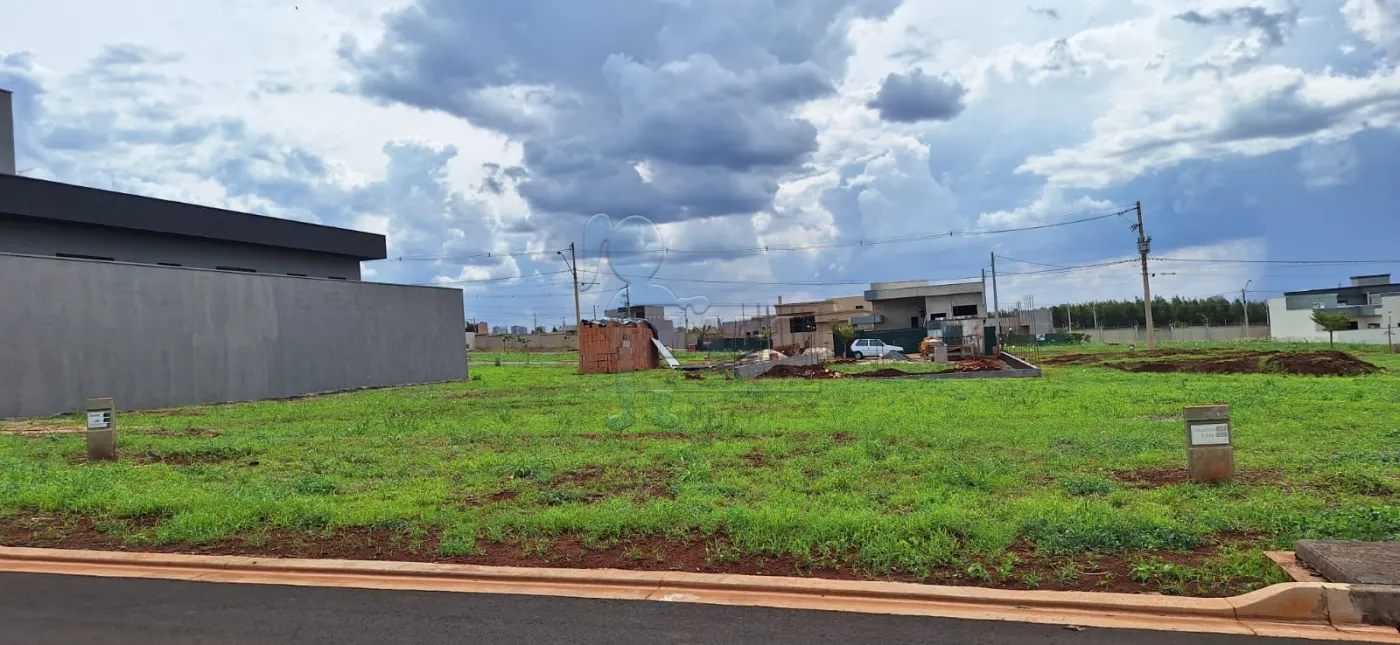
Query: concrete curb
(1308,610)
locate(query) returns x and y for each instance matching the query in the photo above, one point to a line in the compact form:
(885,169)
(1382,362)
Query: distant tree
(553,330)
(1331,323)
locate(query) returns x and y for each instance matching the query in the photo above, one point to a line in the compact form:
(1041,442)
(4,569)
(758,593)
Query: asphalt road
(37,609)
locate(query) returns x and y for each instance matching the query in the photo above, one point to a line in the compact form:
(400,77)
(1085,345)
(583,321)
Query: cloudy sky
(1248,129)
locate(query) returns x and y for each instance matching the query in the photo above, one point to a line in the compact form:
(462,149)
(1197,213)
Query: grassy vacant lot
(1073,481)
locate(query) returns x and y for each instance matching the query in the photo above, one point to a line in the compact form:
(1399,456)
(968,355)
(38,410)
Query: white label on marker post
(1210,434)
(99,420)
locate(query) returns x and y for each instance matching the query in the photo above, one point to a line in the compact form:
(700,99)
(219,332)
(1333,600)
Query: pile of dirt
(1225,361)
(981,365)
(1321,363)
(1238,364)
(888,372)
(801,371)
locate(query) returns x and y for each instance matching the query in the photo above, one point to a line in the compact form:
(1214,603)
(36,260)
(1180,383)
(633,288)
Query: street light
(1244,301)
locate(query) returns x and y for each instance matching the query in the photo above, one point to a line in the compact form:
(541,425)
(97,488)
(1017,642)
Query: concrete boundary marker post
(101,429)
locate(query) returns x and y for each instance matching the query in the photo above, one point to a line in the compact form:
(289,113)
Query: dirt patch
(1225,365)
(580,477)
(1228,361)
(186,458)
(801,371)
(694,376)
(29,428)
(493,498)
(888,372)
(1159,477)
(172,412)
(756,458)
(842,438)
(1319,363)
(638,436)
(981,365)
(187,433)
(694,552)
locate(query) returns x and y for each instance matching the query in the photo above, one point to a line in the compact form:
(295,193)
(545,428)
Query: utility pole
(996,315)
(1144,247)
(536,318)
(1244,300)
(996,302)
(1069,314)
(1390,332)
(578,314)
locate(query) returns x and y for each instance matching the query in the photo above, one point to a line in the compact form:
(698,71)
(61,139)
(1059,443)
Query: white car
(872,347)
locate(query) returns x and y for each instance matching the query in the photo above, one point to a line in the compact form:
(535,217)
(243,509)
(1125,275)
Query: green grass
(890,477)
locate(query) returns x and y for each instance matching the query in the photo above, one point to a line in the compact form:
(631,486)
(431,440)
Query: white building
(1372,302)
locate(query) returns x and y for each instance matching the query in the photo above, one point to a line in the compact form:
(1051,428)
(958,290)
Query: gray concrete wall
(43,237)
(157,336)
(1129,335)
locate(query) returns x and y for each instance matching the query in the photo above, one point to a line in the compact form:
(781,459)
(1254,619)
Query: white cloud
(1124,281)
(1378,21)
(1262,111)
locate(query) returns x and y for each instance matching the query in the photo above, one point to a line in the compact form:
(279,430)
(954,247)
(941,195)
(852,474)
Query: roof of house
(40,199)
(1348,290)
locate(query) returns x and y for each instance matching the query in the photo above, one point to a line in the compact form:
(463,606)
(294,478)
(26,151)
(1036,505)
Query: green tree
(1332,323)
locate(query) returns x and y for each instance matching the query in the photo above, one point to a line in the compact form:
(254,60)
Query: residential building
(1027,322)
(1372,302)
(482,329)
(808,324)
(666,331)
(499,330)
(159,303)
(917,303)
(519,330)
(754,327)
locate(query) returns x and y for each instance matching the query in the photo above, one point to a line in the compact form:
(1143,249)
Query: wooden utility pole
(1144,247)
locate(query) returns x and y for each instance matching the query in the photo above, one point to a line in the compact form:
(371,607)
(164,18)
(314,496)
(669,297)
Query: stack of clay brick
(608,347)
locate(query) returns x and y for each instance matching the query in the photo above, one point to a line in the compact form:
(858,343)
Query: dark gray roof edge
(38,198)
(1347,289)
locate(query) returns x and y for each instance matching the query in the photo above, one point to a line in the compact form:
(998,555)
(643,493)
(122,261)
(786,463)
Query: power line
(772,247)
(1039,264)
(1296,262)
